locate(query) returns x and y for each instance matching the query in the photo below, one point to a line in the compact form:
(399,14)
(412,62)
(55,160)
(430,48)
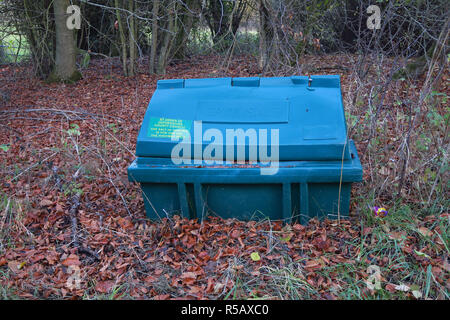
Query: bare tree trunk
(167,41)
(187,22)
(154,35)
(223,19)
(122,38)
(65,67)
(132,40)
(264,28)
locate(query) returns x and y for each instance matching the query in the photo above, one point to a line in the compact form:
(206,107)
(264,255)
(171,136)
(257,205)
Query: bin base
(300,190)
(287,201)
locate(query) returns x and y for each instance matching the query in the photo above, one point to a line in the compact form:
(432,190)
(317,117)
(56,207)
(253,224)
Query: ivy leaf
(422,254)
(255,256)
(4,147)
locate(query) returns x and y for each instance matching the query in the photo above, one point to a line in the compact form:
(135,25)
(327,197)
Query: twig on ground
(62,112)
(34,165)
(73,213)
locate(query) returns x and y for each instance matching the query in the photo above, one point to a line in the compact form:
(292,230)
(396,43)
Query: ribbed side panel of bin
(280,149)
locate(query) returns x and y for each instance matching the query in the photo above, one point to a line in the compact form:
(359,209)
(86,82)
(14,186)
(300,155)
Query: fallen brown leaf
(71,260)
(104,286)
(46,203)
(425,232)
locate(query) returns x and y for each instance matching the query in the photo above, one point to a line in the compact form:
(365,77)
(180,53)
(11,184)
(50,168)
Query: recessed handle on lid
(299,80)
(170,84)
(303,80)
(245,82)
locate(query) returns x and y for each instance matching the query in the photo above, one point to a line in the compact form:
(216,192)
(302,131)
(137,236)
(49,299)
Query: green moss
(76,76)
(53,77)
(412,70)
(415,68)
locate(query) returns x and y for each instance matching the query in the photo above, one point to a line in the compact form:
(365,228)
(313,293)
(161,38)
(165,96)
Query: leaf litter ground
(65,142)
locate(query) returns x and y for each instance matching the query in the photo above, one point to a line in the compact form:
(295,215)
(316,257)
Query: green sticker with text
(164,127)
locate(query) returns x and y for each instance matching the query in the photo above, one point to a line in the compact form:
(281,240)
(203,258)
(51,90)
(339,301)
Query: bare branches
(69,114)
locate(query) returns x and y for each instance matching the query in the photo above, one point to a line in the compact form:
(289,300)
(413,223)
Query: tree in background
(287,30)
(51,44)
(65,53)
(164,25)
(34,20)
(189,15)
(127,34)
(172,22)
(223,19)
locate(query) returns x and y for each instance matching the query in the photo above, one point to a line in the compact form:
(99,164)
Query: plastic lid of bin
(300,117)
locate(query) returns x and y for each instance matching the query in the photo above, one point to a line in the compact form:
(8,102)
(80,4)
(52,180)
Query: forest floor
(64,152)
